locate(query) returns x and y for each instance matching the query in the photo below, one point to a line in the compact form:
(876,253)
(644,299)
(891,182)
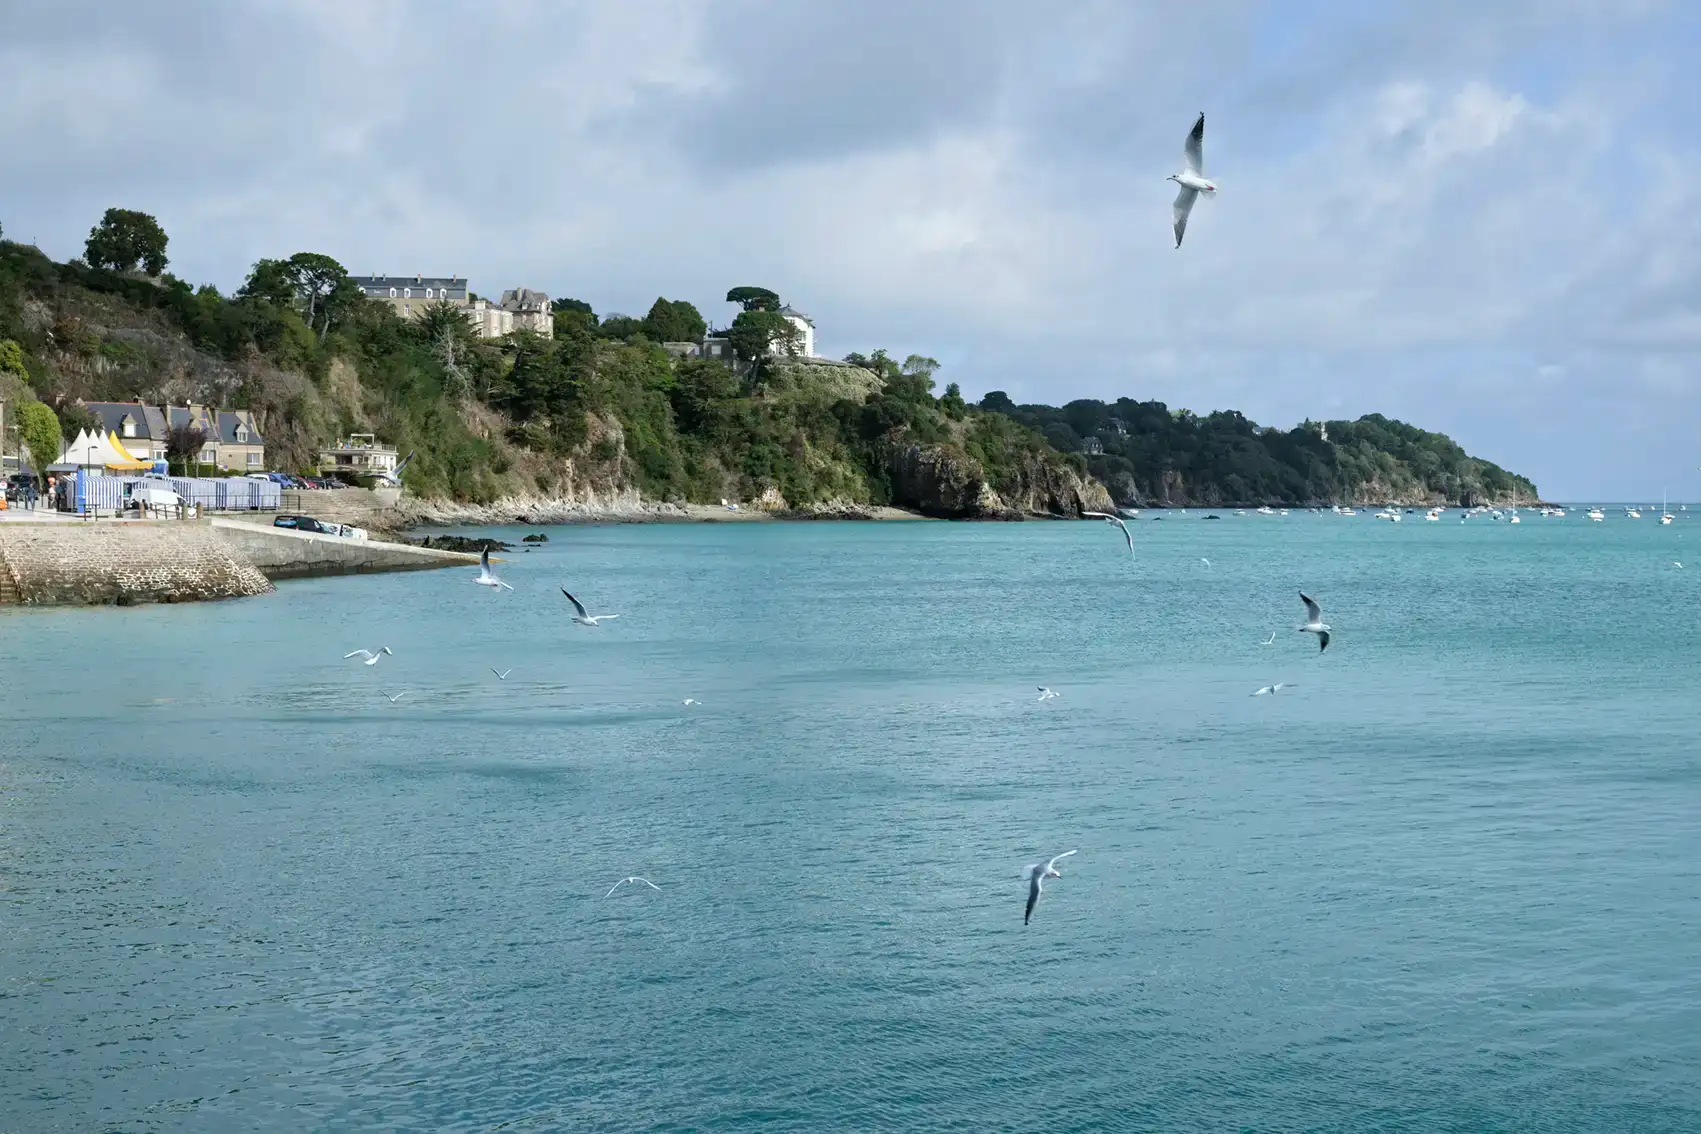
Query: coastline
(625,509)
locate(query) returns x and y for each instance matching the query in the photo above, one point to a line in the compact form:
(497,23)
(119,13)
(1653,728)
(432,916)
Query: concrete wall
(90,564)
(284,554)
(374,508)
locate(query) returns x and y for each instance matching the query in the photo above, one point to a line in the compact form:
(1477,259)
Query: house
(233,440)
(141,429)
(530,310)
(805,332)
(717,347)
(357,454)
(409,296)
(1092,447)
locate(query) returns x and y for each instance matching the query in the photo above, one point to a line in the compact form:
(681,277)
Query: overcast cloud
(1483,218)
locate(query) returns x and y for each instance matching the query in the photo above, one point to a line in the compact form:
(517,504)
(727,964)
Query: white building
(520,307)
(805,332)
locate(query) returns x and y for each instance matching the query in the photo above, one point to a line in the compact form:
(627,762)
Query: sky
(1480,217)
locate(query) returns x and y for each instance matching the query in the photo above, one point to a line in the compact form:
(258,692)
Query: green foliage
(38,429)
(183,443)
(952,404)
(754,298)
(620,327)
(125,239)
(674,321)
(12,360)
(315,283)
(578,305)
(1154,455)
(756,334)
(74,419)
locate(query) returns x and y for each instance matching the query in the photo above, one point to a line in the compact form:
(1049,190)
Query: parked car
(306,524)
(17,483)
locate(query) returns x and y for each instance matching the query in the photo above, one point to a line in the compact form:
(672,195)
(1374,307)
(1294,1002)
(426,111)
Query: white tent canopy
(98,451)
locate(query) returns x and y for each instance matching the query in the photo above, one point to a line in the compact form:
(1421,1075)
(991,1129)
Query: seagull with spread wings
(1036,876)
(1117,521)
(1191,179)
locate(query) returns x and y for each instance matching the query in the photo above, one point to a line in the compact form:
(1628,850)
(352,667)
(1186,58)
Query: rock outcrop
(945,481)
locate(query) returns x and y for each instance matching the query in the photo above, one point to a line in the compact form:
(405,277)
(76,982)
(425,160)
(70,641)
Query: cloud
(1465,214)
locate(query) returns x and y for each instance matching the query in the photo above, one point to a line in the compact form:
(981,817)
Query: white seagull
(1276,688)
(1205,561)
(1270,640)
(1046,694)
(502,674)
(1314,623)
(1117,520)
(584,618)
(634,878)
(485,578)
(691,701)
(397,697)
(1036,876)
(1191,179)
(371,658)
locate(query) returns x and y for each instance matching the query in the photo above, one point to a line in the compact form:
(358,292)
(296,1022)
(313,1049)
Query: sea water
(1449,880)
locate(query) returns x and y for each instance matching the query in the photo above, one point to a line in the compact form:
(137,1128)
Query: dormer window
(128,426)
(407,293)
(428,293)
(392,293)
(241,434)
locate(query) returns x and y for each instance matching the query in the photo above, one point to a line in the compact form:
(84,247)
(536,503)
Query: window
(253,460)
(129,426)
(407,293)
(428,293)
(241,434)
(392,293)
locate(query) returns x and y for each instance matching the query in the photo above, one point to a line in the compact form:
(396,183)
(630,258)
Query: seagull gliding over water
(634,878)
(371,657)
(583,618)
(502,674)
(1117,520)
(1036,876)
(1046,694)
(1191,179)
(485,577)
(1314,623)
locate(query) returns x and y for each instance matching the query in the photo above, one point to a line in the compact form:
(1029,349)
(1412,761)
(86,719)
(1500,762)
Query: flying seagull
(371,658)
(502,674)
(691,701)
(1276,688)
(1314,623)
(1270,640)
(393,478)
(634,878)
(397,697)
(584,618)
(1205,561)
(1117,520)
(1191,179)
(1036,876)
(1046,694)
(485,578)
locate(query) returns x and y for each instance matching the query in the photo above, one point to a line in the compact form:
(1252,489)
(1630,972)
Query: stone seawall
(281,553)
(115,562)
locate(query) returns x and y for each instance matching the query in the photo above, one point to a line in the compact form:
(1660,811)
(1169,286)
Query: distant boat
(1433,515)
(1596,515)
(1266,510)
(1665,516)
(1632,514)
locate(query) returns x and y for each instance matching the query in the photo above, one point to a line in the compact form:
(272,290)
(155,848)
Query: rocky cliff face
(944,481)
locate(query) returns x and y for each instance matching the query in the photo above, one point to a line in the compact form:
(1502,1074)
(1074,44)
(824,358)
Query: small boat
(1665,516)
(1632,514)
(1432,516)
(1266,510)
(1348,512)
(1596,515)
(1283,512)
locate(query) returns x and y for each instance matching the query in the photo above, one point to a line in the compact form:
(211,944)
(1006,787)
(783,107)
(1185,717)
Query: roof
(788,309)
(228,421)
(525,299)
(150,422)
(410,281)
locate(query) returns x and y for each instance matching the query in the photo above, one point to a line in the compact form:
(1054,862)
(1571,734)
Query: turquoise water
(1450,881)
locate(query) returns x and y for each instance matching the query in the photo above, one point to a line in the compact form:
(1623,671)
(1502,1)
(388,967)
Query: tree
(997,401)
(311,280)
(38,429)
(270,280)
(756,334)
(674,321)
(952,403)
(12,360)
(124,239)
(620,327)
(317,277)
(578,305)
(754,298)
(74,418)
(183,445)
